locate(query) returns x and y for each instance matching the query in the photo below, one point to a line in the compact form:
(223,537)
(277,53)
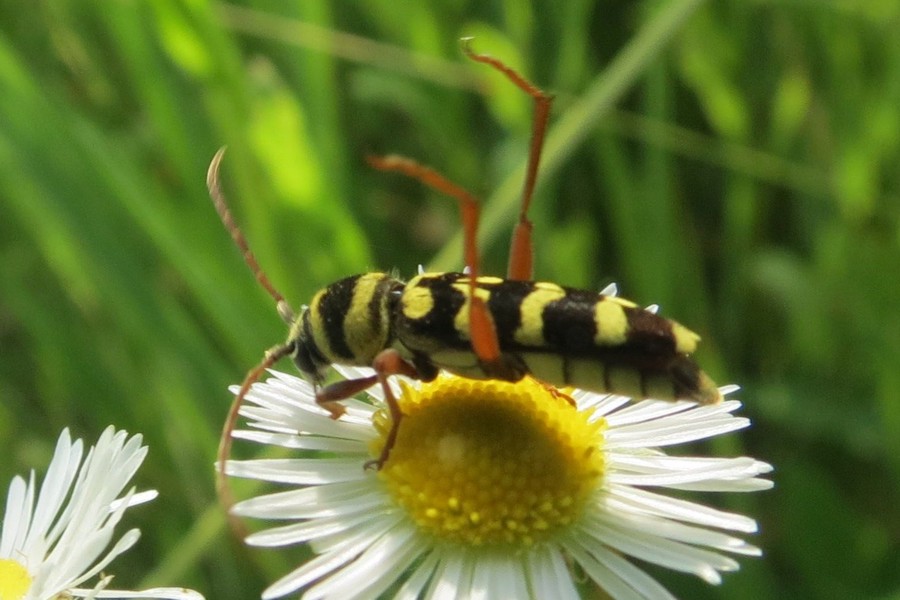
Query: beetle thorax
(348,322)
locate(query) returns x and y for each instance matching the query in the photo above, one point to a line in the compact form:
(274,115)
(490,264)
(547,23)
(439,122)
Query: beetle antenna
(218,198)
(223,487)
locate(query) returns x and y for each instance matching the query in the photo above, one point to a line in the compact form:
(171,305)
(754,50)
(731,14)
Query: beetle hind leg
(521,250)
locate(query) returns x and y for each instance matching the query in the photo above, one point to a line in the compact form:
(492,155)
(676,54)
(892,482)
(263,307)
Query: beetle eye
(312,370)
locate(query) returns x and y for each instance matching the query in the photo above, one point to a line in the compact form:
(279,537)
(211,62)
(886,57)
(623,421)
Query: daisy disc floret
(56,538)
(492,490)
(488,463)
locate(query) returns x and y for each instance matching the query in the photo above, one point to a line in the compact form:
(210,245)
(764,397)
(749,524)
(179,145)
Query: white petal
(375,569)
(414,587)
(508,577)
(729,389)
(305,531)
(618,577)
(299,471)
(160,593)
(345,550)
(447,583)
(55,489)
(674,470)
(16,518)
(673,530)
(135,499)
(639,501)
(314,501)
(667,432)
(302,442)
(655,549)
(646,410)
(549,576)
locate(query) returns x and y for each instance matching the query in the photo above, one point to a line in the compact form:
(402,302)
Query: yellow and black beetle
(476,326)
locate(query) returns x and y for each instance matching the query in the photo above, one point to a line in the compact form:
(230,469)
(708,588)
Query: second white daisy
(57,538)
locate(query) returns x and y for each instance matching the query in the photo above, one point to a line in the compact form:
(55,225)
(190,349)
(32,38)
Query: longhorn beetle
(474,326)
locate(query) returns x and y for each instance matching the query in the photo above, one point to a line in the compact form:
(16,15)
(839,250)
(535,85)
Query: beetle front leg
(328,396)
(387,363)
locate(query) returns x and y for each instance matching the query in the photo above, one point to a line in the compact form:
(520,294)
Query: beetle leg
(387,363)
(521,250)
(328,396)
(482,331)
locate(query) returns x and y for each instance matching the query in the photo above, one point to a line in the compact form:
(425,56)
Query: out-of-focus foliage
(738,163)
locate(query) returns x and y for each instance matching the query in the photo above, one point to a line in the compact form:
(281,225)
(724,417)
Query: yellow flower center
(491,462)
(14,580)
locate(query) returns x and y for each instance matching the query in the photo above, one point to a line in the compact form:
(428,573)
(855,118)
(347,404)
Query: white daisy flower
(50,546)
(492,490)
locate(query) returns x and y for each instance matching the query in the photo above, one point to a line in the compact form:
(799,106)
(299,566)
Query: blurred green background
(737,162)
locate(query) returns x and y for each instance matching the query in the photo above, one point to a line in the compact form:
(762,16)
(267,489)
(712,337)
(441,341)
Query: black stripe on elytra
(648,333)
(505,305)
(333,307)
(568,323)
(569,329)
(438,322)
